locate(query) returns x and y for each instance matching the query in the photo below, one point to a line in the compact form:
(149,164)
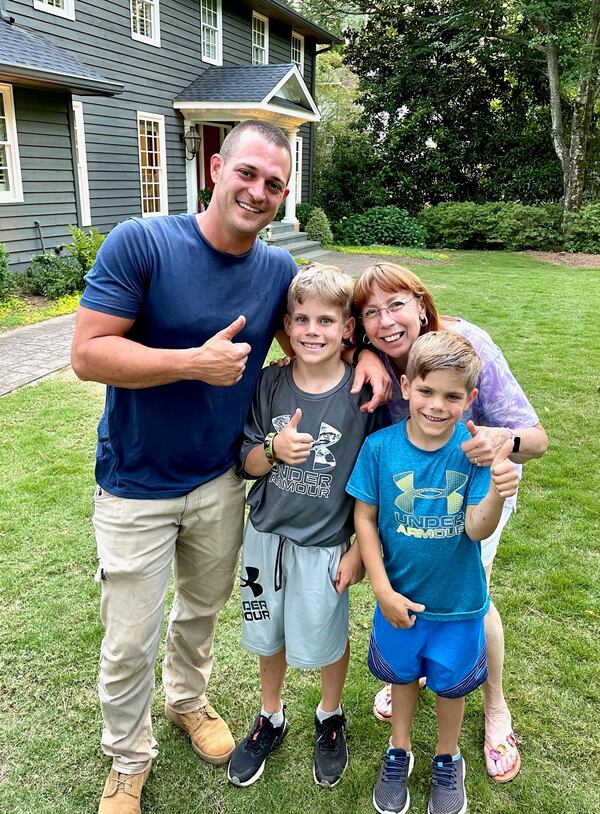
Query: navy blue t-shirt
(162,442)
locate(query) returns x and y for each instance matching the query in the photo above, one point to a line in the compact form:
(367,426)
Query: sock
(276,718)
(391,746)
(456,757)
(322,715)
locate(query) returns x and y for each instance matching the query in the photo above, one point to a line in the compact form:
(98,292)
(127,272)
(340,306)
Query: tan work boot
(208,732)
(122,793)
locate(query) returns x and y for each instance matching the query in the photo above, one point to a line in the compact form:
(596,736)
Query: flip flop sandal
(382,704)
(501,750)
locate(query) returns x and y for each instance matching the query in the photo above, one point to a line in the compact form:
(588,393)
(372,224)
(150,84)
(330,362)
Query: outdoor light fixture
(192,141)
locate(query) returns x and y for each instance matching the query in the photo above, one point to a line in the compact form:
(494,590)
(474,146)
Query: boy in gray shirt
(301,440)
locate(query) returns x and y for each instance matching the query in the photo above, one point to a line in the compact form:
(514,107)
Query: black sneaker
(248,759)
(390,795)
(447,786)
(331,750)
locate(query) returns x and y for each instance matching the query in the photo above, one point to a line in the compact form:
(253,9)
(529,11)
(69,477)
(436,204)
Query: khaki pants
(138,540)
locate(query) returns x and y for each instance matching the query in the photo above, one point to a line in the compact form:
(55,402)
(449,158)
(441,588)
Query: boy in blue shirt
(301,440)
(421,508)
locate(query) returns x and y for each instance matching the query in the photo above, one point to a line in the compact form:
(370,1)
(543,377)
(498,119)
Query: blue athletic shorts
(451,655)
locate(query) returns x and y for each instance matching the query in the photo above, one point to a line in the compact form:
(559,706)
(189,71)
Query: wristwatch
(516,443)
(268,447)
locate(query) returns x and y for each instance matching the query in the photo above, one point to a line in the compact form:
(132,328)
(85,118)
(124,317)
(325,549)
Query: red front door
(211,144)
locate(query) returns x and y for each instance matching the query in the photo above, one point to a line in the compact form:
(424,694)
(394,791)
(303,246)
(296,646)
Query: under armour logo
(251,581)
(406,501)
(328,436)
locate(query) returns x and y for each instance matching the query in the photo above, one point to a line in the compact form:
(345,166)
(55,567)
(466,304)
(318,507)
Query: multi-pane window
(260,39)
(11,190)
(153,164)
(63,8)
(211,31)
(145,21)
(298,51)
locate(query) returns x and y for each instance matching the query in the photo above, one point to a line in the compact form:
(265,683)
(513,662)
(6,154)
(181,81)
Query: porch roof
(274,93)
(27,58)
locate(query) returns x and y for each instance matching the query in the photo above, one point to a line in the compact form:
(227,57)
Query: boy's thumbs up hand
(292,446)
(504,473)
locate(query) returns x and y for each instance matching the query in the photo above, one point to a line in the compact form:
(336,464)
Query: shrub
(85,246)
(303,213)
(53,275)
(351,179)
(7,279)
(204,197)
(386,225)
(318,228)
(508,226)
(582,232)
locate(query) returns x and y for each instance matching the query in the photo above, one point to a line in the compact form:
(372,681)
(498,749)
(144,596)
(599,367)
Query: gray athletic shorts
(289,600)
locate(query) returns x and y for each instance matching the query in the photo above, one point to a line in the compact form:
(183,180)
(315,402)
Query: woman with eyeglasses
(395,307)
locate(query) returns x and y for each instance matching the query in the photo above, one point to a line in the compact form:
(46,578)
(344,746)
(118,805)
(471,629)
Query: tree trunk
(583,109)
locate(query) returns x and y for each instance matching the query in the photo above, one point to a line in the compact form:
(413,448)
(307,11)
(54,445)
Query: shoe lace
(445,774)
(395,768)
(327,740)
(121,783)
(262,733)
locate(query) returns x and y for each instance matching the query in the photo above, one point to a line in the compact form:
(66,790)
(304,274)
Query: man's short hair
(270,132)
(444,350)
(329,284)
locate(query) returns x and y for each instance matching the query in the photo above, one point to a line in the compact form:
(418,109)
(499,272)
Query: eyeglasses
(371,314)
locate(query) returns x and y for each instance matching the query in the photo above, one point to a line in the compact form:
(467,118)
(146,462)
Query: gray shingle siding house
(95,99)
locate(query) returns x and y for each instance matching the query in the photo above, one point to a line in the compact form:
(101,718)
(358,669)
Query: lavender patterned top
(500,402)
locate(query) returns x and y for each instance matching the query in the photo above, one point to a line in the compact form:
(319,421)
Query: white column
(191,178)
(290,201)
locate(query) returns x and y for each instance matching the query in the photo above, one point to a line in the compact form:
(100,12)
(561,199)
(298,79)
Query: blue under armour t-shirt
(422,497)
(162,442)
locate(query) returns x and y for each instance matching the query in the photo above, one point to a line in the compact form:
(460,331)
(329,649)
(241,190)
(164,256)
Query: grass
(545,583)
(17,311)
(391,251)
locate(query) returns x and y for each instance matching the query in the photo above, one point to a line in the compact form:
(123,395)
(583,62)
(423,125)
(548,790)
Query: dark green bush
(303,213)
(582,233)
(53,275)
(510,226)
(7,278)
(380,225)
(318,227)
(85,246)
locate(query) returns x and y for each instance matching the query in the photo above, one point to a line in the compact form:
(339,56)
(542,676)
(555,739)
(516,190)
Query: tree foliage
(471,100)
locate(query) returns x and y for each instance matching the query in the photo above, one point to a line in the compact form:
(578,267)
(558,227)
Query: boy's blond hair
(329,284)
(444,350)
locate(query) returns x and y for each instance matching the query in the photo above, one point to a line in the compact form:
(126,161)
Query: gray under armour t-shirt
(307,503)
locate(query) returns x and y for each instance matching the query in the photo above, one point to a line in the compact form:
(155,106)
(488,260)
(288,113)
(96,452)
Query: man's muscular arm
(102,353)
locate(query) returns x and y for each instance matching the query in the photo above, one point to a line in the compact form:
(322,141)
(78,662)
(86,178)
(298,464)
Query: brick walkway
(33,352)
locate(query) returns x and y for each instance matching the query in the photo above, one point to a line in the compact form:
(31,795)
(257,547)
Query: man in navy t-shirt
(177,317)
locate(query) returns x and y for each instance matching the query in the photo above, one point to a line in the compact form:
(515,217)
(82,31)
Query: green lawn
(546,583)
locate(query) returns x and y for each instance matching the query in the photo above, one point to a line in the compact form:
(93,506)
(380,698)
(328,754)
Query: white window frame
(162,167)
(298,169)
(14,194)
(299,65)
(154,6)
(218,60)
(68,12)
(256,17)
(82,173)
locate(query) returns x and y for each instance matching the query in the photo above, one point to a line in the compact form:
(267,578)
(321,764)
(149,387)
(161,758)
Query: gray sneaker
(448,794)
(390,795)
